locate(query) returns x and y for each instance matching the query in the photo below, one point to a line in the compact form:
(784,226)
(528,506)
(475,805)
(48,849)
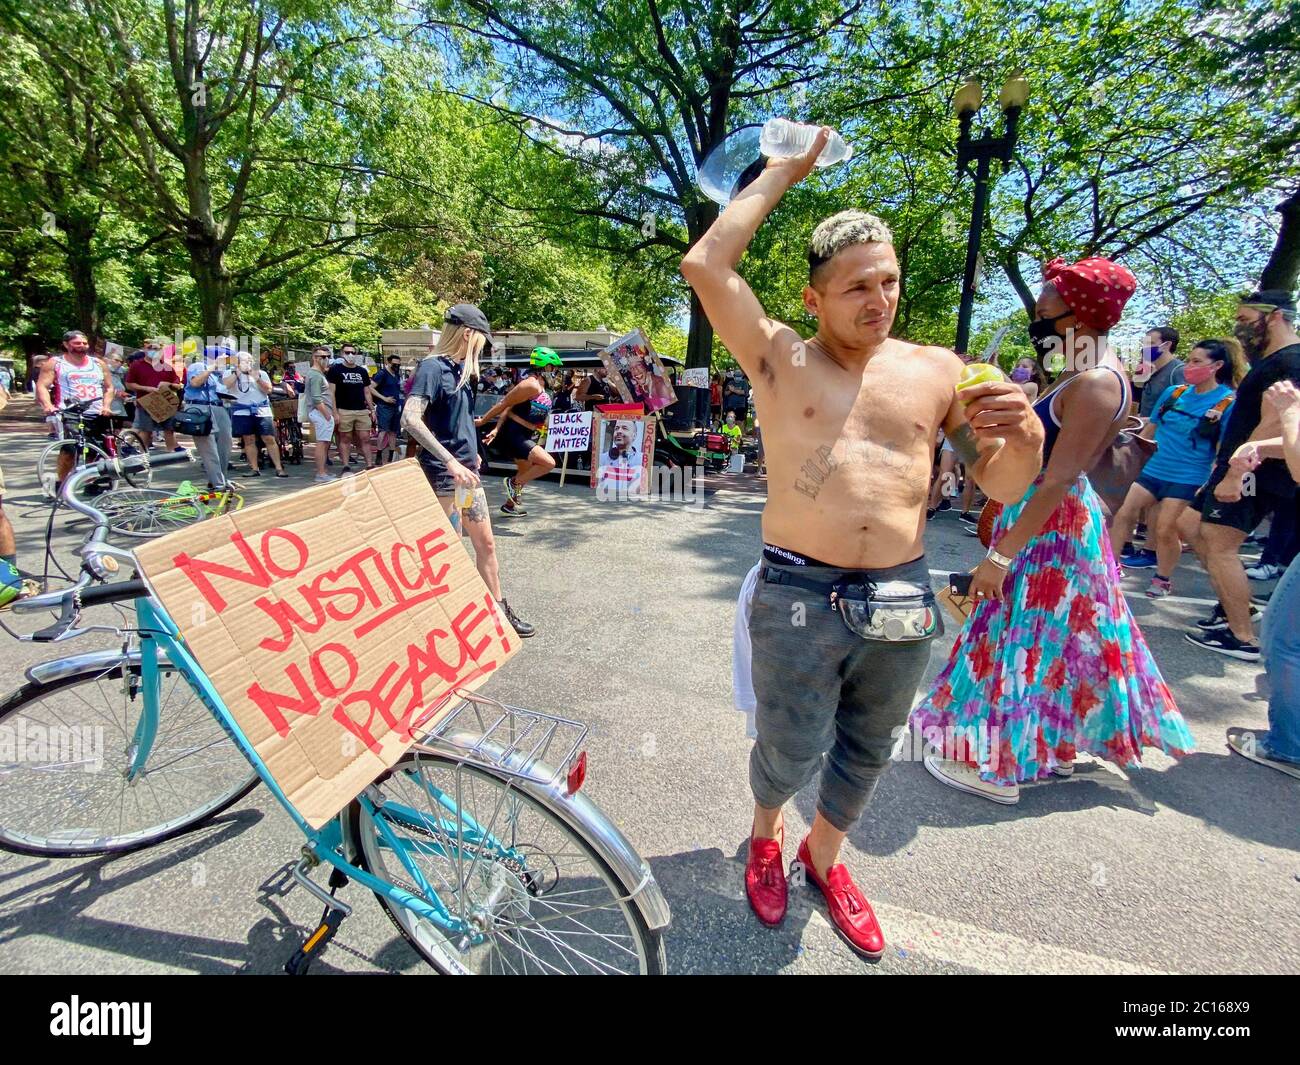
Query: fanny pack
(892,611)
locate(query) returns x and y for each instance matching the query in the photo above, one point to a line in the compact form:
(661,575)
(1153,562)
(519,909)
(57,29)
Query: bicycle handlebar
(107,468)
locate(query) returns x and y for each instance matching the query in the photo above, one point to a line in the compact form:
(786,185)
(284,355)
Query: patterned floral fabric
(1058,667)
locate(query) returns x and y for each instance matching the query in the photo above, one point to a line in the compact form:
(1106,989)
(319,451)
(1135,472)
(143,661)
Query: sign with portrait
(638,373)
(622,443)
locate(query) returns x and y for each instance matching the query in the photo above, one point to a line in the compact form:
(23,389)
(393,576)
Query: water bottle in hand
(782,138)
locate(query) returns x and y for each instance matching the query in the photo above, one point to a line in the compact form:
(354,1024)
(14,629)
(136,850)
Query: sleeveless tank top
(534,411)
(77,383)
(1045,408)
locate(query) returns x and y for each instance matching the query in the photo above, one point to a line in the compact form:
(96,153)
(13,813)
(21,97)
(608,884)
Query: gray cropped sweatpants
(825,693)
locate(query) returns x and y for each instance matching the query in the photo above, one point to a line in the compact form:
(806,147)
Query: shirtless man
(850,418)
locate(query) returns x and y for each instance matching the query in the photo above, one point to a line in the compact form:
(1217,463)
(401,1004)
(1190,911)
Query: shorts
(388,418)
(442,482)
(245,424)
(1245,514)
(354,421)
(1167,489)
(516,441)
(321,426)
(826,698)
(145,423)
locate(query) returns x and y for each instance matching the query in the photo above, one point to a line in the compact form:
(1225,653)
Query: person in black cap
(1225,511)
(439,416)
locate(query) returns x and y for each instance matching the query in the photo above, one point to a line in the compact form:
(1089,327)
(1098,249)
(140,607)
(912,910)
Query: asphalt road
(1182,868)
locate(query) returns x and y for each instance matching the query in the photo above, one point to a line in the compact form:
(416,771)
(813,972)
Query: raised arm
(710,266)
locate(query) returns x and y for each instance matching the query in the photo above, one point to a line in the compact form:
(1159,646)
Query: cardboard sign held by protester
(332,622)
(568,431)
(160,405)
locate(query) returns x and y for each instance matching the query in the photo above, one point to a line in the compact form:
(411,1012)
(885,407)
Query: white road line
(941,938)
(990,952)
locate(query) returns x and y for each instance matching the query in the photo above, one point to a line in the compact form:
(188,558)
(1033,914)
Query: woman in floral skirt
(1050,661)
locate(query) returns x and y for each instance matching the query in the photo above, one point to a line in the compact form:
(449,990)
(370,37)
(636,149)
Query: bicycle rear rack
(509,739)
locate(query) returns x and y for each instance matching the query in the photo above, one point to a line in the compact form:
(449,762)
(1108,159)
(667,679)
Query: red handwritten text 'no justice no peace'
(369,588)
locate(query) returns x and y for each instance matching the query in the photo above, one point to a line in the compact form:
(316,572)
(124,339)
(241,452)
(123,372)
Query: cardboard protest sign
(696,377)
(161,404)
(330,622)
(570,431)
(637,372)
(622,444)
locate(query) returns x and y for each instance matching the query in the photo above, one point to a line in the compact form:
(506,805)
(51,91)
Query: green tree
(639,94)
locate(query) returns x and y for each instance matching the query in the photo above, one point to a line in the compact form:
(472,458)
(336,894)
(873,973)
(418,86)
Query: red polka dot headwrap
(1094,289)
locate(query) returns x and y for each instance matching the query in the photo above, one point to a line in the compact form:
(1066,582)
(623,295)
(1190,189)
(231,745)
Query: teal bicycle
(478,842)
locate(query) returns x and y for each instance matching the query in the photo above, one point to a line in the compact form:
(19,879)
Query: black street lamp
(987,148)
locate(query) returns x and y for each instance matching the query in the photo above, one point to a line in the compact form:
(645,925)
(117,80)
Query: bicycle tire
(430,942)
(47,463)
(16,785)
(143,513)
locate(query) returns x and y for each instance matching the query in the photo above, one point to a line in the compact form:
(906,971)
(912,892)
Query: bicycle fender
(92,662)
(585,816)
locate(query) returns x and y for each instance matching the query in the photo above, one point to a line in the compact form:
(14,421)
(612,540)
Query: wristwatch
(1001,561)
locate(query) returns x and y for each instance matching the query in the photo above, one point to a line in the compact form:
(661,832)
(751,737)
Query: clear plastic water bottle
(782,138)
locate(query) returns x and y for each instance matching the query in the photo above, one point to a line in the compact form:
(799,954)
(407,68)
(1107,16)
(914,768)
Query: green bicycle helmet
(544,357)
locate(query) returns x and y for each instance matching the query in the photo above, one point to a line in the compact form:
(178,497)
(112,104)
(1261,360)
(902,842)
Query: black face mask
(1044,337)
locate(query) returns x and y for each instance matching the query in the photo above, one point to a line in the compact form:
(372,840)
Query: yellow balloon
(190,346)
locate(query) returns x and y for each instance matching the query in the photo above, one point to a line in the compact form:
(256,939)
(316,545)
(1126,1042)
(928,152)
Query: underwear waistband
(783,556)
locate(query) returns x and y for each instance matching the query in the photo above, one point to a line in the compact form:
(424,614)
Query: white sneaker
(1264,572)
(966,778)
(1063,769)
(324,478)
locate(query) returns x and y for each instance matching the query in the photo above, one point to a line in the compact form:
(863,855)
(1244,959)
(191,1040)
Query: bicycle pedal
(315,945)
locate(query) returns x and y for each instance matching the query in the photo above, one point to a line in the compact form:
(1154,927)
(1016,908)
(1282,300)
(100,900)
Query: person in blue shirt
(1186,421)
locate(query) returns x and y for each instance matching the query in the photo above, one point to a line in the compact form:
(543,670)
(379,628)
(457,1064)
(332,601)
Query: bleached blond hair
(449,344)
(842,231)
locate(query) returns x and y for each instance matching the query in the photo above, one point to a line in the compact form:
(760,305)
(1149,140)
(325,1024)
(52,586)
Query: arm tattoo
(963,442)
(413,423)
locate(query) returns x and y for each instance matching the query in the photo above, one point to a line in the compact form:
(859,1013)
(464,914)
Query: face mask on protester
(154,356)
(1151,354)
(1253,337)
(1043,335)
(1021,374)
(350,357)
(1199,374)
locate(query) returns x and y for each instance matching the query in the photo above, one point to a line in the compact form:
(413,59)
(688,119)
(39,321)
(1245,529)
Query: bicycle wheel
(128,444)
(149,512)
(65,747)
(47,463)
(541,898)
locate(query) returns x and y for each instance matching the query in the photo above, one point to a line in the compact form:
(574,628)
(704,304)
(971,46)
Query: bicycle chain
(513,865)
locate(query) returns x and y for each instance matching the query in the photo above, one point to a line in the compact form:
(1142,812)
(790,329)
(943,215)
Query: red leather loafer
(849,909)
(765,883)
